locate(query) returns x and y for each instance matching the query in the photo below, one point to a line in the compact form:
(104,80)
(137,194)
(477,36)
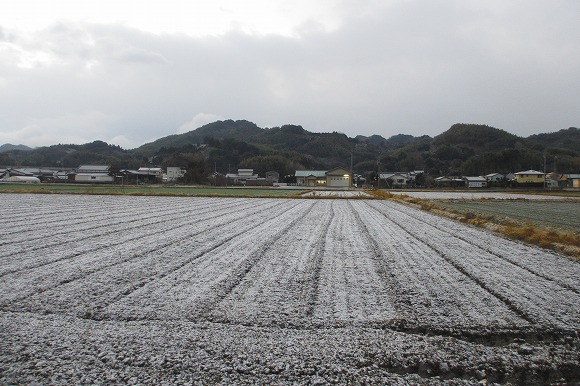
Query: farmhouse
(333,178)
(494,177)
(529,177)
(92,173)
(143,175)
(174,172)
(272,177)
(242,177)
(5,173)
(395,180)
(449,181)
(552,180)
(310,177)
(570,180)
(475,182)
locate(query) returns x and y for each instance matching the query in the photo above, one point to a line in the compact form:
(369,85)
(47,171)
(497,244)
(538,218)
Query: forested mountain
(239,130)
(71,156)
(477,149)
(224,146)
(10,147)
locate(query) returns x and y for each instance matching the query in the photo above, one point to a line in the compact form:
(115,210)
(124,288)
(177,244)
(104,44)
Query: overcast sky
(129,72)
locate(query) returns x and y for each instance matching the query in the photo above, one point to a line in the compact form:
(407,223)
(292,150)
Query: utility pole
(544,170)
(379,174)
(351,161)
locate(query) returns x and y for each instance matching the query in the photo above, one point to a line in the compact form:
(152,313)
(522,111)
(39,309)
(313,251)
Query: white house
(475,182)
(395,180)
(174,172)
(93,173)
(494,177)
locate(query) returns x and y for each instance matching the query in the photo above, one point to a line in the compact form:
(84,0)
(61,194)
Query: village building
(475,182)
(494,177)
(92,173)
(529,176)
(42,174)
(395,180)
(242,177)
(272,177)
(552,180)
(6,173)
(144,175)
(174,173)
(400,179)
(333,178)
(449,182)
(570,181)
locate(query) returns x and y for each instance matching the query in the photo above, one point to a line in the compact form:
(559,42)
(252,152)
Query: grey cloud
(138,55)
(412,67)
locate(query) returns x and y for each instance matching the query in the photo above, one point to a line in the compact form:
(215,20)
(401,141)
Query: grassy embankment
(175,191)
(537,233)
(149,190)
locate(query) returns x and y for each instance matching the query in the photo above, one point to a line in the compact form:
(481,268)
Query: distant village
(336,178)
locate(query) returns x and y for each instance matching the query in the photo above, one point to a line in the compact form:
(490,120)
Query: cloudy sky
(128,72)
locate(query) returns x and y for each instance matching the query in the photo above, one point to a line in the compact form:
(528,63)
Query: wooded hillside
(464,149)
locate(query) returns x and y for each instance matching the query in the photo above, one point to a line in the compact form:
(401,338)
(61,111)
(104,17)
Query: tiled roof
(306,173)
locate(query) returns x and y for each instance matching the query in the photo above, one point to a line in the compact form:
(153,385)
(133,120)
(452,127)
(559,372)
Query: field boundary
(567,243)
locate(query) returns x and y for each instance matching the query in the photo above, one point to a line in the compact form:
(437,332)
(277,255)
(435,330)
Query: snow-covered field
(477,195)
(152,290)
(336,193)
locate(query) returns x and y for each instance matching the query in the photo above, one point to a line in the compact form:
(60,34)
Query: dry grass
(149,190)
(382,194)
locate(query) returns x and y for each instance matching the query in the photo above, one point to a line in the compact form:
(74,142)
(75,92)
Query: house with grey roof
(242,177)
(93,174)
(475,182)
(570,180)
(333,178)
(396,180)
